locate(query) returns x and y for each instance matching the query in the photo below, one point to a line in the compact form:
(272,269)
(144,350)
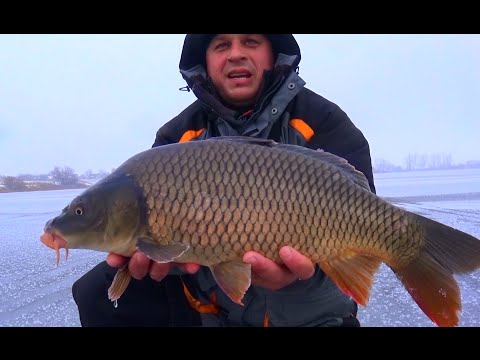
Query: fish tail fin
(429,278)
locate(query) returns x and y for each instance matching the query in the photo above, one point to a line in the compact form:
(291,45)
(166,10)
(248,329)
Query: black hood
(195,47)
(193,70)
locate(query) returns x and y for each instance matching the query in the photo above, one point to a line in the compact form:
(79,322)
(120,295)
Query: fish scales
(208,202)
(232,207)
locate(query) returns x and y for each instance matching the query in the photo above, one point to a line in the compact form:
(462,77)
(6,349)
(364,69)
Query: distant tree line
(63,176)
(428,161)
(415,161)
(13,183)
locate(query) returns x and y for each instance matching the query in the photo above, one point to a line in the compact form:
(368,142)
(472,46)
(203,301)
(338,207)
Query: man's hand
(272,276)
(265,272)
(140,265)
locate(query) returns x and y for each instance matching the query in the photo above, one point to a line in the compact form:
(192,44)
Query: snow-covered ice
(34,292)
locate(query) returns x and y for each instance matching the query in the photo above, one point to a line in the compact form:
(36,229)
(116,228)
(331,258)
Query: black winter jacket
(287,113)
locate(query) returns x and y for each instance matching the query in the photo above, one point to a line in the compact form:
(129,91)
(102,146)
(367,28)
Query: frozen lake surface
(34,292)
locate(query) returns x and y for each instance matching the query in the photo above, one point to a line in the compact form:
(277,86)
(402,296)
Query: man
(246,84)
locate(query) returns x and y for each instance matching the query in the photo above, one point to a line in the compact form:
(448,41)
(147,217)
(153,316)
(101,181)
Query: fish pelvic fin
(429,277)
(161,253)
(353,273)
(120,283)
(234,278)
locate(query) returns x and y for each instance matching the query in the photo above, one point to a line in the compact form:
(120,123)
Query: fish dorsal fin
(120,283)
(353,273)
(234,278)
(349,170)
(245,140)
(342,164)
(161,253)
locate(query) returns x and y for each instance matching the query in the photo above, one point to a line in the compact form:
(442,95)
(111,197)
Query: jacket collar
(201,85)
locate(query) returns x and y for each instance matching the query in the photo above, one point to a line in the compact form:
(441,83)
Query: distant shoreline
(45,187)
(412,199)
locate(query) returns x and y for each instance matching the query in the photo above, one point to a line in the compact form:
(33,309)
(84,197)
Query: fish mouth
(54,240)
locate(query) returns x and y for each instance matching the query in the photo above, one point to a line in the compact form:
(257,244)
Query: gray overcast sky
(92,101)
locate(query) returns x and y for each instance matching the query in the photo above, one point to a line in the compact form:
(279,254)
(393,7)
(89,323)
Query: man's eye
(221,46)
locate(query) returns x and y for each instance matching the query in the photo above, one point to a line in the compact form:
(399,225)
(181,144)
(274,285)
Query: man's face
(235,63)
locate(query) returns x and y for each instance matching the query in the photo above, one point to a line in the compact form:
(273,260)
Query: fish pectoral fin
(353,273)
(160,253)
(119,283)
(234,278)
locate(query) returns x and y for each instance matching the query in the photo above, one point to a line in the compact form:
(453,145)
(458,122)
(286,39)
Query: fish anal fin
(434,289)
(120,283)
(234,278)
(353,273)
(160,253)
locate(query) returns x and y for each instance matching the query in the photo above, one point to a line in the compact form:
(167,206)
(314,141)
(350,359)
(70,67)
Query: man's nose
(236,52)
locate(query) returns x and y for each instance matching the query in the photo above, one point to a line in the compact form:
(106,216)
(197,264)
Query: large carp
(210,201)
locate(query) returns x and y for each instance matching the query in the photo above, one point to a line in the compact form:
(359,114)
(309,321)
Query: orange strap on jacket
(190,135)
(212,308)
(302,127)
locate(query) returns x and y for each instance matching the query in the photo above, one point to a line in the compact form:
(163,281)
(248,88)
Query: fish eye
(78,210)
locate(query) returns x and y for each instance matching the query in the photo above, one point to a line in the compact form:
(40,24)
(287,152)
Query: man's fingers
(159,271)
(116,261)
(139,265)
(261,265)
(298,264)
(191,268)
(266,273)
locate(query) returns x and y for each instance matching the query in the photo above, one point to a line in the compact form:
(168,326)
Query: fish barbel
(210,201)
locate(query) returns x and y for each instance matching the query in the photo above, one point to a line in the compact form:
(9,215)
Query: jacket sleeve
(164,137)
